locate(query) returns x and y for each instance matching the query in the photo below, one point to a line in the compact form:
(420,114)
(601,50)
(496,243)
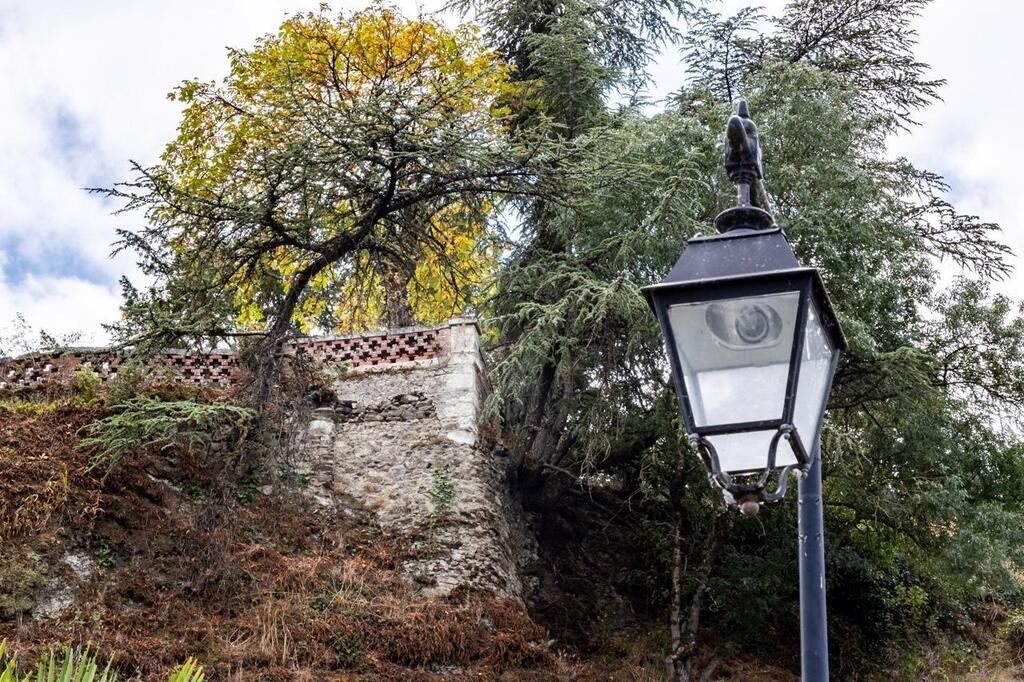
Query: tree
(342,160)
(927,401)
(568,56)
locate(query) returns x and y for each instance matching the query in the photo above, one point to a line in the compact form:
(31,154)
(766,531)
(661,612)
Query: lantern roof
(746,251)
(741,252)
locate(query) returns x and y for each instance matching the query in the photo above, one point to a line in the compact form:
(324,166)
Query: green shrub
(349,649)
(143,423)
(912,602)
(1014,632)
(125,385)
(20,577)
(911,665)
(247,491)
(86,382)
(336,371)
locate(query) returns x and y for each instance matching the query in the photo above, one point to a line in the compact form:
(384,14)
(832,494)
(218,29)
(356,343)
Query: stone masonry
(396,439)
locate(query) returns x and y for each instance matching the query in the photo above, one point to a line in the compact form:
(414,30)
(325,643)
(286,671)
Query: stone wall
(398,437)
(395,439)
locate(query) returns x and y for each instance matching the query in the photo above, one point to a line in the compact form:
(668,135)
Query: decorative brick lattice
(222,368)
(371,349)
(209,369)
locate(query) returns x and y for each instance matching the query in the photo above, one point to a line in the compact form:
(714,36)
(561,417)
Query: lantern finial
(744,167)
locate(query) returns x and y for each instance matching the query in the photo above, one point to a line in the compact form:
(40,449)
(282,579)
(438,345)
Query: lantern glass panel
(735,354)
(748,451)
(815,372)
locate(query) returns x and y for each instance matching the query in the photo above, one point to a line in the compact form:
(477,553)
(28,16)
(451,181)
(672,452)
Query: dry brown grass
(275,588)
(41,466)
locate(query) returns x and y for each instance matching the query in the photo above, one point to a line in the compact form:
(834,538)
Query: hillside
(176,554)
(206,550)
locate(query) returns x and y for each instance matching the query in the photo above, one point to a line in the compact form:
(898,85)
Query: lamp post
(753,343)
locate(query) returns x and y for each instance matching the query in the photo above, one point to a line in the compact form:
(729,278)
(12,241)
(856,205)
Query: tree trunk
(397,311)
(684,618)
(679,666)
(533,419)
(266,363)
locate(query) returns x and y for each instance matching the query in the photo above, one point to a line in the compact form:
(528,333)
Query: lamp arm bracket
(736,493)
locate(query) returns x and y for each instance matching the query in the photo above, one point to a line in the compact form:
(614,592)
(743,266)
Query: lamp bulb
(749,507)
(744,325)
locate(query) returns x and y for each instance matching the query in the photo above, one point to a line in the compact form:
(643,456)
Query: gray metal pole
(813,614)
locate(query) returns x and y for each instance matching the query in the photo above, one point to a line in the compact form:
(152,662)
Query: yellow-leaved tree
(343,175)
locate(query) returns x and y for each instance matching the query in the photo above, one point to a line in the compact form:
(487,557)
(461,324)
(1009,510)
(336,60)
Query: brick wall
(222,369)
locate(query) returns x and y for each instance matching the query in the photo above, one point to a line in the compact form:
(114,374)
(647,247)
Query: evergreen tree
(923,467)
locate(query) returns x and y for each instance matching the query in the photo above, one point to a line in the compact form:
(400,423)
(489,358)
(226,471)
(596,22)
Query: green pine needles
(142,423)
(923,461)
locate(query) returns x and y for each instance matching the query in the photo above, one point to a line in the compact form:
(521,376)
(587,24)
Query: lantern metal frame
(747,261)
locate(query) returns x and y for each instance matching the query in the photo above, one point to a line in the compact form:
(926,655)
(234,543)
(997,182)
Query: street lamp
(753,343)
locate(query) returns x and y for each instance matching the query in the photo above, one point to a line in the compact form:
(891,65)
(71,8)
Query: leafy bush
(135,377)
(336,371)
(126,384)
(442,494)
(20,577)
(143,423)
(86,381)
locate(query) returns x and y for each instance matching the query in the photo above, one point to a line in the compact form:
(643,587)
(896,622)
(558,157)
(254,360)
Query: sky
(84,88)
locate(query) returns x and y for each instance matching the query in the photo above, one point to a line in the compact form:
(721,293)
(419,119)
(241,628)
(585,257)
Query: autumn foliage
(342,176)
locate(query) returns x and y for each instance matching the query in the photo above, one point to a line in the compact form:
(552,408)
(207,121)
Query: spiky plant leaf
(189,671)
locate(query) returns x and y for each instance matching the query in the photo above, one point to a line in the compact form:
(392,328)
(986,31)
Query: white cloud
(972,137)
(85,88)
(60,306)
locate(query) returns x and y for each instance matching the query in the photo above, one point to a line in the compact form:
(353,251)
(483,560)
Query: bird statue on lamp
(743,158)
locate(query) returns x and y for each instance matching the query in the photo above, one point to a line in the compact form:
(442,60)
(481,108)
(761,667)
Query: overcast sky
(83,86)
